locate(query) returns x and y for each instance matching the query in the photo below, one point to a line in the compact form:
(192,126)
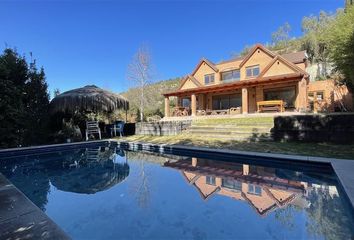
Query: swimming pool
(102,191)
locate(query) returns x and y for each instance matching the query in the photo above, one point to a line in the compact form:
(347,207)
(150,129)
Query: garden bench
(272,105)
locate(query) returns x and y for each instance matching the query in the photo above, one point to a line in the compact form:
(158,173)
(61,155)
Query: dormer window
(252,71)
(230,76)
(209,79)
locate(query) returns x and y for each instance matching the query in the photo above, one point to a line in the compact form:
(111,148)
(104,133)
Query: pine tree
(13,75)
(24,101)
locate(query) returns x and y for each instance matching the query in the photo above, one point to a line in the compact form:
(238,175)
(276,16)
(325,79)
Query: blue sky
(92,42)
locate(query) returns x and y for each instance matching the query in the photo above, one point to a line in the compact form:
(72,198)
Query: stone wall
(165,128)
(336,128)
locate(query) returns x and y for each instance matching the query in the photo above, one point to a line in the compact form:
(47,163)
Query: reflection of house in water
(259,186)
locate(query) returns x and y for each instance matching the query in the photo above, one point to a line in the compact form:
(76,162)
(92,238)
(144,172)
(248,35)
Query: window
(231,184)
(252,71)
(186,102)
(230,76)
(210,180)
(209,79)
(227,101)
(254,189)
(319,96)
(288,95)
(311,98)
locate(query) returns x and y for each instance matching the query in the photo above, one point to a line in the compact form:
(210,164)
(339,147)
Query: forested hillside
(154,100)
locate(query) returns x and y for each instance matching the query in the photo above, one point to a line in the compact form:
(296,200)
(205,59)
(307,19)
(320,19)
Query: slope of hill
(154,101)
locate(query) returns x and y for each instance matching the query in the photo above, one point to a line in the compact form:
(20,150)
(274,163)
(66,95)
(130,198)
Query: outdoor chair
(92,128)
(117,128)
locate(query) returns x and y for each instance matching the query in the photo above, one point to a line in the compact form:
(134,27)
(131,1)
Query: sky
(92,42)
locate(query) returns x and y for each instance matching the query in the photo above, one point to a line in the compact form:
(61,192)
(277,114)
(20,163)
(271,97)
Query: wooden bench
(272,105)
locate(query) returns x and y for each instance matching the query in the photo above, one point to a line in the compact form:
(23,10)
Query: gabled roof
(209,63)
(254,49)
(295,57)
(193,79)
(283,60)
(204,195)
(280,203)
(261,212)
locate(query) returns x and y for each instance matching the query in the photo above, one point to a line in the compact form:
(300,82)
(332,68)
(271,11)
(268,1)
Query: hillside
(154,100)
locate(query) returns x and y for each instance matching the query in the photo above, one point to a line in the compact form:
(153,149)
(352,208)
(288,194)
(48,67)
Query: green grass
(306,149)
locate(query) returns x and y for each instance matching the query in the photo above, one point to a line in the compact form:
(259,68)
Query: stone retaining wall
(336,128)
(161,128)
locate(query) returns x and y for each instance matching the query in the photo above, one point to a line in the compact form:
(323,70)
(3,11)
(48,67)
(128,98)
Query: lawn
(306,149)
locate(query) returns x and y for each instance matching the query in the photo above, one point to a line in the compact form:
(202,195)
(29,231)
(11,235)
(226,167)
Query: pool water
(105,192)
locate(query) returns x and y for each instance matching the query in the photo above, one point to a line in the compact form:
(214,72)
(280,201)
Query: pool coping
(21,218)
(343,168)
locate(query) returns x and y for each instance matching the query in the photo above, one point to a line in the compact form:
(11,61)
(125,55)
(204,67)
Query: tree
(56,92)
(314,39)
(140,74)
(13,75)
(340,41)
(24,101)
(36,100)
(281,37)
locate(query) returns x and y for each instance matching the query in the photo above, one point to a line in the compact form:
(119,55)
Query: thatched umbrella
(89,179)
(89,99)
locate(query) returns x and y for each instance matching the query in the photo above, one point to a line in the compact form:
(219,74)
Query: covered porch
(242,97)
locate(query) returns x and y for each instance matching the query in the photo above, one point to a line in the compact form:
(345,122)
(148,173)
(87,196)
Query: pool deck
(21,219)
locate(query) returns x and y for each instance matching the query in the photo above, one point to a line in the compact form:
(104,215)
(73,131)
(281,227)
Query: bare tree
(140,74)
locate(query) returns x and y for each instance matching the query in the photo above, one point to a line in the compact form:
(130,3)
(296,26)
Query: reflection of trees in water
(90,172)
(69,171)
(141,186)
(328,216)
(286,216)
(34,183)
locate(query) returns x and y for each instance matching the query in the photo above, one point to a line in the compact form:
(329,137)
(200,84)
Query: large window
(231,184)
(227,101)
(209,79)
(230,76)
(252,71)
(288,95)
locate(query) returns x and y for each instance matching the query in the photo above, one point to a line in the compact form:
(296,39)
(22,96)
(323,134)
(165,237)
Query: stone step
(227,133)
(234,124)
(240,131)
(223,128)
(234,138)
